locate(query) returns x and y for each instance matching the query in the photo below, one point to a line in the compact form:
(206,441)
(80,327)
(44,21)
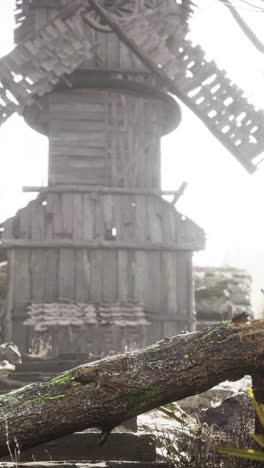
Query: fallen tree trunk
(107,392)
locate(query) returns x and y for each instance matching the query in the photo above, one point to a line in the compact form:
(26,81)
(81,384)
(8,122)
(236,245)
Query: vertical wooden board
(154,220)
(128,218)
(172,328)
(67,274)
(38,231)
(110,275)
(139,138)
(164,283)
(88,217)
(123,154)
(99,342)
(83,275)
(107,201)
(116,341)
(141,276)
(117,218)
(167,222)
(52,275)
(112,131)
(155,332)
(123,218)
(77,216)
(49,215)
(38,274)
(181,276)
(22,282)
(96,281)
(113,51)
(153,299)
(7,325)
(131,269)
(99,219)
(190,293)
(57,217)
(147,218)
(67,214)
(172,283)
(156,159)
(172,223)
(101,48)
(86,338)
(25,222)
(20,335)
(124,57)
(140,207)
(123,289)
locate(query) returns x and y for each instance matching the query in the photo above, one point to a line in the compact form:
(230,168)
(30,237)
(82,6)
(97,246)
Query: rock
(6,368)
(10,352)
(221,293)
(230,413)
(193,405)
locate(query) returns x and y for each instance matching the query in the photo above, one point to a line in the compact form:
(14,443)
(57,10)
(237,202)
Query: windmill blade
(37,64)
(200,84)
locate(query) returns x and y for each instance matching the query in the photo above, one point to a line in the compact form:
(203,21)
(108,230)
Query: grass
(194,447)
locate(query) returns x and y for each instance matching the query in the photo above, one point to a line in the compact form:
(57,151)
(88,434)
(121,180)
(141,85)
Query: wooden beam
(65,243)
(100,189)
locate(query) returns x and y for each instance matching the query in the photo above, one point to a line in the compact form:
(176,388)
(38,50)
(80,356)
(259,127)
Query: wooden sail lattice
(218,102)
(36,65)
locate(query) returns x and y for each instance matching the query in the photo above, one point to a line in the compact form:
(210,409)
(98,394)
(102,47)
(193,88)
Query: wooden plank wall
(105,138)
(159,280)
(81,216)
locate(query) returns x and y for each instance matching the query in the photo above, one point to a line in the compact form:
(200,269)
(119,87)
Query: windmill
(99,251)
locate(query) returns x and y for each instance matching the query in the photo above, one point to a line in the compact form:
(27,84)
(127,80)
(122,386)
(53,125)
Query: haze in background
(221,196)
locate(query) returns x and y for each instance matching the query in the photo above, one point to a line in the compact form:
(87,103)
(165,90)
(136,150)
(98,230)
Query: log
(109,391)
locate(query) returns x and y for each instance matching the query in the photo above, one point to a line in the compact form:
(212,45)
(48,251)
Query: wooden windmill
(99,252)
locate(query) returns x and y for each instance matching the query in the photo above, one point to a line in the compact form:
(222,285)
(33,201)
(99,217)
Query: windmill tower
(99,256)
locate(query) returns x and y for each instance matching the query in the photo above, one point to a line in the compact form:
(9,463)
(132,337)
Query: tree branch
(109,391)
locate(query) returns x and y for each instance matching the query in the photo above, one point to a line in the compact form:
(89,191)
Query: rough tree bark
(107,392)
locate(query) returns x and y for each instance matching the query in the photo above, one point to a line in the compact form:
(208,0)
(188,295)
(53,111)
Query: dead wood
(109,391)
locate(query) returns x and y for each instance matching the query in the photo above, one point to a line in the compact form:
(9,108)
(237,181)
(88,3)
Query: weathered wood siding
(91,276)
(160,279)
(105,137)
(100,216)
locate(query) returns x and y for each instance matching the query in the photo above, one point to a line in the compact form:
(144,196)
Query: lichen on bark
(107,392)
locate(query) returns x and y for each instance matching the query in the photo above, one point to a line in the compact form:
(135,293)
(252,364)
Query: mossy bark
(107,392)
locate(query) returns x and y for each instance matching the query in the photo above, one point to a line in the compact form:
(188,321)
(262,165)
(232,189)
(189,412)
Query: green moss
(60,379)
(45,397)
(210,333)
(10,398)
(220,341)
(11,395)
(141,398)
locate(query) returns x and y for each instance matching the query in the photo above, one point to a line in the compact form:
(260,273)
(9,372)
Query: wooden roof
(158,39)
